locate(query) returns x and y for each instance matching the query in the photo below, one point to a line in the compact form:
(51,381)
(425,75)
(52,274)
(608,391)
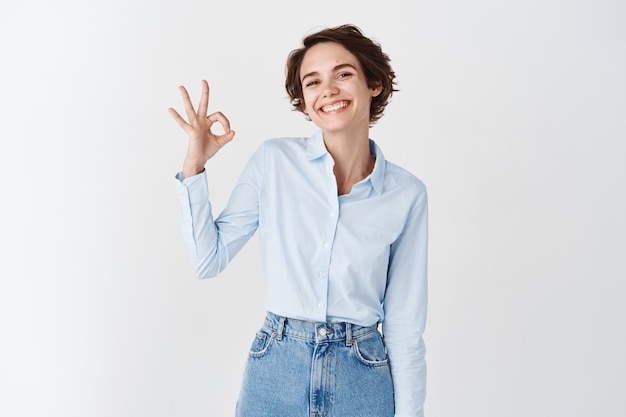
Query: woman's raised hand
(203,143)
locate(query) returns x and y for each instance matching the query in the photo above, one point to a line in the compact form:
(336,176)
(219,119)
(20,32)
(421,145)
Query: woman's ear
(376,90)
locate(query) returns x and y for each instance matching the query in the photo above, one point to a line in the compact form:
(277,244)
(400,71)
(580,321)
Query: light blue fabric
(358,258)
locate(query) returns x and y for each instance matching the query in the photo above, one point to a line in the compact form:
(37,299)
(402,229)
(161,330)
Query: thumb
(225,138)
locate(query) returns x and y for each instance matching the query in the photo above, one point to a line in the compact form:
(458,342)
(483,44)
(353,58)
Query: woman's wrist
(192,169)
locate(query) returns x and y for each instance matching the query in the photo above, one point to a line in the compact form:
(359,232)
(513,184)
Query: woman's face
(335,91)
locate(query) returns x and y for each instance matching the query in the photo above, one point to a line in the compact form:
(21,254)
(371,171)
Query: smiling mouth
(335,106)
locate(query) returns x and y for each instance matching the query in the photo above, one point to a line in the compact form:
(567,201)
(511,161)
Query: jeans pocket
(261,343)
(370,350)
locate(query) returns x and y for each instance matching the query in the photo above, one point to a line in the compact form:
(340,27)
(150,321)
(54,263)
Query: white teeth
(334,107)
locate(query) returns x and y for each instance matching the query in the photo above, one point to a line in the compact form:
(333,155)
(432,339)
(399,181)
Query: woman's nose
(330,89)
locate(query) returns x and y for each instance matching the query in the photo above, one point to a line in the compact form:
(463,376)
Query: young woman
(343,236)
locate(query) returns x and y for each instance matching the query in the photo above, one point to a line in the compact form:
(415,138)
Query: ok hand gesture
(203,143)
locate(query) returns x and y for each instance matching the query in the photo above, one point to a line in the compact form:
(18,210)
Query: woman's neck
(353,160)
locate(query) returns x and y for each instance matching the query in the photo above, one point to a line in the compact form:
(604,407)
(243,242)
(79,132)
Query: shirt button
(322,332)
(326,244)
(320,305)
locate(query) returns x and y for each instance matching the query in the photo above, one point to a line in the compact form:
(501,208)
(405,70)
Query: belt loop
(280,329)
(348,334)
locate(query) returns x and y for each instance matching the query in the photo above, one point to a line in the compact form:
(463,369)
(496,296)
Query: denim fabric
(297,368)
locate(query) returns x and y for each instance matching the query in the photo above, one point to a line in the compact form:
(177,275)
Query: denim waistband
(316,331)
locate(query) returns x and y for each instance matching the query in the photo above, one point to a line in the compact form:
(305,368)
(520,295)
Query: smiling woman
(356,261)
(335,92)
(372,62)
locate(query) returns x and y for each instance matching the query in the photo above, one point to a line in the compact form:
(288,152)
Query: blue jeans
(297,368)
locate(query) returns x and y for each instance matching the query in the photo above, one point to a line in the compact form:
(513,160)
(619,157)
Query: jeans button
(322,332)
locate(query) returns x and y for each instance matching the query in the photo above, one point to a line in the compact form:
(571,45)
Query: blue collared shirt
(359,257)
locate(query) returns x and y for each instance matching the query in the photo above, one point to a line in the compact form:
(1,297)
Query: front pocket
(261,343)
(371,350)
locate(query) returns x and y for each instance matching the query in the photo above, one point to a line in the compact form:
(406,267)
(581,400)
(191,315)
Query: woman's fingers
(177,117)
(198,126)
(226,137)
(228,134)
(219,118)
(204,100)
(191,113)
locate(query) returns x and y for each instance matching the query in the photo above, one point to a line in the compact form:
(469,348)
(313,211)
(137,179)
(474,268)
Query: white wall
(513,113)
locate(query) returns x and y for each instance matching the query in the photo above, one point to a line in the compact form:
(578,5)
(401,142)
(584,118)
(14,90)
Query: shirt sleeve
(405,308)
(213,243)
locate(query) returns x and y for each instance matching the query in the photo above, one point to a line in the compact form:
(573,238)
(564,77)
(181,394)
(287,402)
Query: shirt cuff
(193,190)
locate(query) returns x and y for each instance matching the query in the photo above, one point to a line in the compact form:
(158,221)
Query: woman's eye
(344,75)
(311,83)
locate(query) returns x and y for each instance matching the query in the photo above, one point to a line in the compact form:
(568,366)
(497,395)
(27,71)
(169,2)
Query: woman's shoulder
(290,147)
(397,176)
(287,142)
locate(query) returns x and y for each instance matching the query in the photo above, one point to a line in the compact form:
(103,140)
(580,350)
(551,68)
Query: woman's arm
(212,243)
(405,311)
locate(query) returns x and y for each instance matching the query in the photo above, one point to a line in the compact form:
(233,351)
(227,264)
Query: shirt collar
(377,177)
(316,149)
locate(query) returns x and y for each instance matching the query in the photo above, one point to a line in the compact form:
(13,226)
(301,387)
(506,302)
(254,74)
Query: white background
(512,112)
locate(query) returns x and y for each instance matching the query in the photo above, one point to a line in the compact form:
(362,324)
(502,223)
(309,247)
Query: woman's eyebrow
(336,68)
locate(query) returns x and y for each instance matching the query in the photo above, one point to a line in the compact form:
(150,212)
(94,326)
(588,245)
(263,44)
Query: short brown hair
(374,63)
